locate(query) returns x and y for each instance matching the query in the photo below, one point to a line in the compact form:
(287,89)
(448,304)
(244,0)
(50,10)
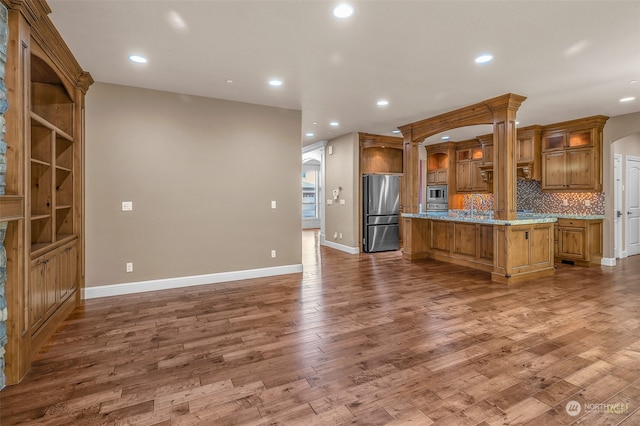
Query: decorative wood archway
(501,113)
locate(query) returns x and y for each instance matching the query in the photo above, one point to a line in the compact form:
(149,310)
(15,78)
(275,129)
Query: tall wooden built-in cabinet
(45,157)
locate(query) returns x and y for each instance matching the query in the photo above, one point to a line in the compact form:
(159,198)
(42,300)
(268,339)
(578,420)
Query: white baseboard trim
(608,261)
(341,247)
(169,283)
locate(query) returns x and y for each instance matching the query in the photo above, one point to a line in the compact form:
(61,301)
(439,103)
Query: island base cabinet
(522,252)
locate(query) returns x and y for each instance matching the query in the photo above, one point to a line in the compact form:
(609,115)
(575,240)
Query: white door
(633,205)
(617,201)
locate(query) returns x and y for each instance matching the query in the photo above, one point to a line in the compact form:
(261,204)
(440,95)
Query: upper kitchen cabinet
(528,152)
(440,159)
(380,154)
(572,155)
(469,161)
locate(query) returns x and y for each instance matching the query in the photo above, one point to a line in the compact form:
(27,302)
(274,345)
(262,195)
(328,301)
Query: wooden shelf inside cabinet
(44,123)
(36,163)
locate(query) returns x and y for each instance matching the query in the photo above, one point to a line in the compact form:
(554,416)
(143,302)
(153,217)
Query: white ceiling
(571,59)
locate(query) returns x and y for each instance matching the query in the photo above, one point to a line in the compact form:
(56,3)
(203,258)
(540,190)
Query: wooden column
(411,174)
(504,157)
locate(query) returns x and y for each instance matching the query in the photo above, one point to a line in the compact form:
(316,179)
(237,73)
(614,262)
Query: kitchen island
(511,250)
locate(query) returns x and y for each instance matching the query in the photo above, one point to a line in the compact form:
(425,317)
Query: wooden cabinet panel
(487,154)
(553,175)
(579,241)
(541,241)
(477,183)
(485,242)
(580,168)
(572,242)
(463,176)
(464,239)
(67,267)
(437,177)
(439,236)
(51,290)
(36,292)
(519,248)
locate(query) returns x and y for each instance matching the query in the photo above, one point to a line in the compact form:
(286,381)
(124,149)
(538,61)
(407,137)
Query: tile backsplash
(530,197)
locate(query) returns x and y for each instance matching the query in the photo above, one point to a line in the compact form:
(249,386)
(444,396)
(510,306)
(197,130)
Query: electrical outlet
(329,202)
(342,202)
(335,235)
(273,253)
(340,235)
(565,202)
(587,203)
(129,266)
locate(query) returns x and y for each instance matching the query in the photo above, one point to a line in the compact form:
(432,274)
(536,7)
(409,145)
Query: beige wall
(617,128)
(201,174)
(341,170)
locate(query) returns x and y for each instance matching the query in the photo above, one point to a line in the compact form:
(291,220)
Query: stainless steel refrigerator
(380,202)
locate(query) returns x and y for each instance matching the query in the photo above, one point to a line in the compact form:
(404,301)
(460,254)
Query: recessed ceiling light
(309,134)
(395,131)
(383,102)
(343,10)
(229,81)
(628,99)
(138,59)
(484,58)
(445,138)
(334,123)
(275,82)
(633,81)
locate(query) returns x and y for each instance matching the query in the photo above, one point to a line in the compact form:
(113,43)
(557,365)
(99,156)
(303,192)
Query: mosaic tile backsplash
(529,197)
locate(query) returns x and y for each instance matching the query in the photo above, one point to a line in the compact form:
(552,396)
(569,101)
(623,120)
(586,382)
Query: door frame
(618,202)
(627,159)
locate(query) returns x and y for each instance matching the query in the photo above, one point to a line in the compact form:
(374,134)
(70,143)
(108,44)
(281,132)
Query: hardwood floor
(355,339)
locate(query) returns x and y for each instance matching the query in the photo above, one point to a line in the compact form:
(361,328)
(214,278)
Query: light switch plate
(342,202)
(273,204)
(127,206)
(329,202)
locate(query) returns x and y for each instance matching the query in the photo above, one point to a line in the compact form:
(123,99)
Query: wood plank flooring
(366,339)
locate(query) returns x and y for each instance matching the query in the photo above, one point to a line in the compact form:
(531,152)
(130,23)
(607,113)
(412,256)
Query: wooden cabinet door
(487,154)
(36,294)
(581,170)
(432,178)
(477,184)
(441,176)
(524,150)
(67,263)
(51,290)
(463,176)
(553,170)
(572,243)
(440,239)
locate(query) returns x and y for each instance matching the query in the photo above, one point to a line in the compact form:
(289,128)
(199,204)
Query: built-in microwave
(437,198)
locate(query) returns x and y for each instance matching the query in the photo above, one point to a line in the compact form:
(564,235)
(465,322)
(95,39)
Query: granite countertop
(487,217)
